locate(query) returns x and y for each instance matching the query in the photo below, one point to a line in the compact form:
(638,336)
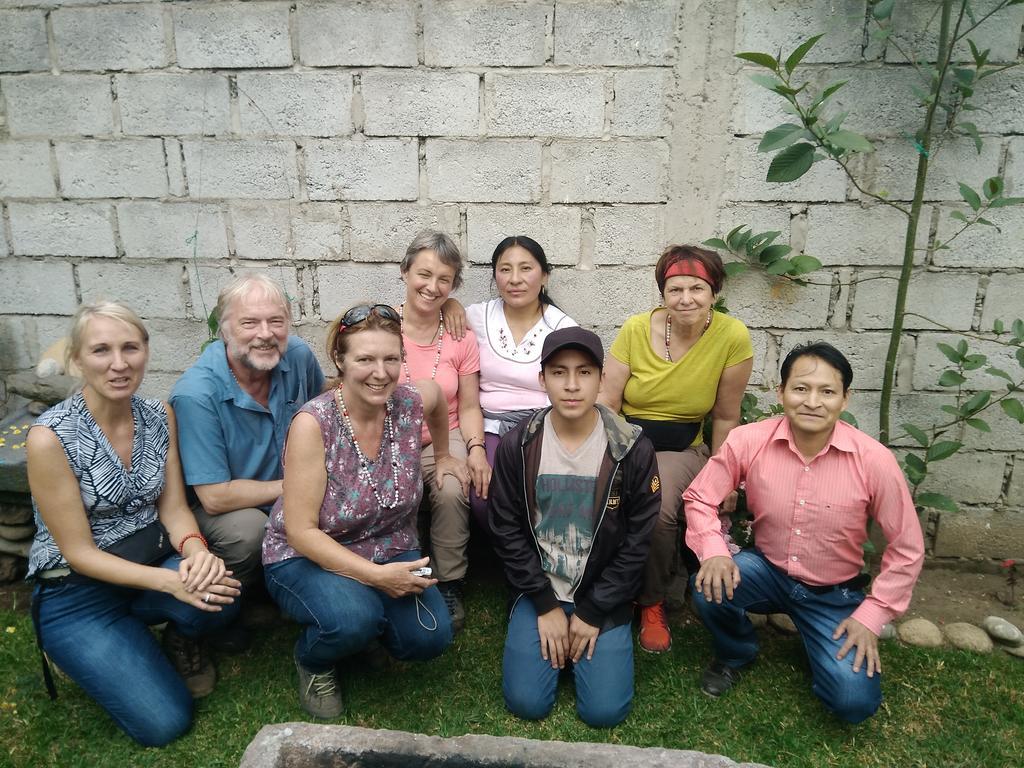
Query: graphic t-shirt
(566,484)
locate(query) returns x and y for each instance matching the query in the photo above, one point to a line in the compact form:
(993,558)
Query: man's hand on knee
(553,628)
(864,640)
(717,576)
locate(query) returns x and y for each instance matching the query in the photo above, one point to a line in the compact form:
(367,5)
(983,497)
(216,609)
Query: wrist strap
(186,537)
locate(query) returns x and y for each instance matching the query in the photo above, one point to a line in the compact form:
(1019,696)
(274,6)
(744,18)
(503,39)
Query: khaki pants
(449,514)
(237,538)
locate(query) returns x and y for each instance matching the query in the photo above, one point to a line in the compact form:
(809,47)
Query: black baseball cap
(575,337)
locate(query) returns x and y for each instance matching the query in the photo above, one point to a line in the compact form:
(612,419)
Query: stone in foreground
(1000,630)
(782,623)
(968,637)
(920,632)
(292,744)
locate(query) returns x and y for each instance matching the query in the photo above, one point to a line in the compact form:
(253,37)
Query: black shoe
(234,638)
(451,591)
(718,678)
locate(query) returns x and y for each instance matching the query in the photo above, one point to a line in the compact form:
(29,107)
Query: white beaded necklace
(364,465)
(440,338)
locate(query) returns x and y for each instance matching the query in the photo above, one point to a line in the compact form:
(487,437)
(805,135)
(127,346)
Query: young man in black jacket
(572,504)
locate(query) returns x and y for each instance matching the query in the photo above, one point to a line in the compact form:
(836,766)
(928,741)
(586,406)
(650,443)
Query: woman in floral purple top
(340,554)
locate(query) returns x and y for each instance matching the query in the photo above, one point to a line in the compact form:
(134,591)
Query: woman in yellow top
(668,369)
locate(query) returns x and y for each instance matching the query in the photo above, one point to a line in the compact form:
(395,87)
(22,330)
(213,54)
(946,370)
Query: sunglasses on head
(356,315)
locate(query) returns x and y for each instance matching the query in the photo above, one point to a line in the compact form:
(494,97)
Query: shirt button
(794,558)
(807,469)
(802,502)
(797,531)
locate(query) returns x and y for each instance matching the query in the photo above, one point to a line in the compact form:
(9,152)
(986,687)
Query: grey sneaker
(718,678)
(318,693)
(451,591)
(191,662)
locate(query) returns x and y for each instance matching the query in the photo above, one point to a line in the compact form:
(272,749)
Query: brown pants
(677,470)
(449,514)
(237,539)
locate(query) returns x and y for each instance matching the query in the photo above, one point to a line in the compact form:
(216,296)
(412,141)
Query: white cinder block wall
(313,139)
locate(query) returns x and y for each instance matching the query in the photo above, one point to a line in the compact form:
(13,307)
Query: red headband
(689,268)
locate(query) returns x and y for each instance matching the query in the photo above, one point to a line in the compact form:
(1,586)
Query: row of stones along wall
(150,149)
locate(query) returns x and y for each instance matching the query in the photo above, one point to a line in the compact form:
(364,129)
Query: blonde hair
(114,310)
(245,284)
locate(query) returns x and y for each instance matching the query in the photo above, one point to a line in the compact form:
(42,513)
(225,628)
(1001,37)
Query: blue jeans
(97,634)
(341,616)
(851,696)
(604,684)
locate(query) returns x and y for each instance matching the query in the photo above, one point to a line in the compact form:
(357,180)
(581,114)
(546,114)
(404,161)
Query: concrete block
(61,229)
(969,477)
(295,103)
(946,295)
(622,291)
(1014,169)
(122,168)
(232,35)
(158,384)
(609,171)
(158,104)
(344,285)
(153,230)
(318,232)
(58,105)
(1001,99)
(314,333)
(852,234)
(545,104)
(378,32)
(1002,300)
(421,103)
(556,228)
(929,362)
(485,33)
(174,345)
(206,282)
(1007,434)
(629,234)
(25,169)
(865,351)
(19,341)
(785,24)
(1015,493)
(249,169)
(38,287)
(152,290)
(484,171)
(477,284)
(640,102)
(126,37)
(893,165)
(382,231)
(761,301)
(262,230)
(764,357)
(609,32)
(23,46)
(352,169)
(747,168)
(176,185)
(980,246)
(980,533)
(916,27)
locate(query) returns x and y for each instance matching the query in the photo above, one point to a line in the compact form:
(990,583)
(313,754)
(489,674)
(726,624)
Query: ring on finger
(207,598)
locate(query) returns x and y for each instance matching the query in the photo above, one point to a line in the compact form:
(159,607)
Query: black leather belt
(859,581)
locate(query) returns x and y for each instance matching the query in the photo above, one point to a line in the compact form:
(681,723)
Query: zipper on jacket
(600,520)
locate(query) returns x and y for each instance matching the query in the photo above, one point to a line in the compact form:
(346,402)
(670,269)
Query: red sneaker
(655,636)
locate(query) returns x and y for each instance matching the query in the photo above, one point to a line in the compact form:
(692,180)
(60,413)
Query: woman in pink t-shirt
(431,270)
(510,331)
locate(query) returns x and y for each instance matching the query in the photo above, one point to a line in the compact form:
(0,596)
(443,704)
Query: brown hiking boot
(318,693)
(191,662)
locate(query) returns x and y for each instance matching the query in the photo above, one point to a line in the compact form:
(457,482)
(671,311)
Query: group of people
(580,469)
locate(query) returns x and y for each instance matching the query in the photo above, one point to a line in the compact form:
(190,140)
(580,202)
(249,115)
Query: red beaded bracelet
(193,535)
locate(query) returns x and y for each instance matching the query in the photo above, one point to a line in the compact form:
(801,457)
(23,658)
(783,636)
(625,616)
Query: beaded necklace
(668,332)
(364,465)
(440,338)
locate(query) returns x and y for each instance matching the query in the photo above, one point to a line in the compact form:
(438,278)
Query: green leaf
(849,418)
(951,410)
(868,547)
(943,450)
(915,461)
(1019,354)
(917,433)
(213,323)
(978,401)
(849,141)
(979,424)
(951,354)
(761,59)
(781,136)
(830,90)
(774,252)
(834,122)
(958,215)
(974,362)
(716,242)
(882,10)
(987,223)
(1005,202)
(997,326)
(951,379)
(961,346)
(766,81)
(993,187)
(797,56)
(791,163)
(738,237)
(1013,409)
(980,57)
(1017,326)
(937,501)
(802,264)
(733,268)
(998,372)
(779,267)
(972,197)
(970,129)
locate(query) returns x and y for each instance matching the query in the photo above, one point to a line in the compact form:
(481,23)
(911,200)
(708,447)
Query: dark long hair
(535,250)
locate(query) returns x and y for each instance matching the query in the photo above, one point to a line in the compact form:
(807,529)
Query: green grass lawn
(942,708)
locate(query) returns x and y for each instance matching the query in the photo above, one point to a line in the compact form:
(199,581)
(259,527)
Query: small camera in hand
(425,572)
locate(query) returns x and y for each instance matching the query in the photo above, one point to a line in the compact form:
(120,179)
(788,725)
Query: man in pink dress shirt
(812,482)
